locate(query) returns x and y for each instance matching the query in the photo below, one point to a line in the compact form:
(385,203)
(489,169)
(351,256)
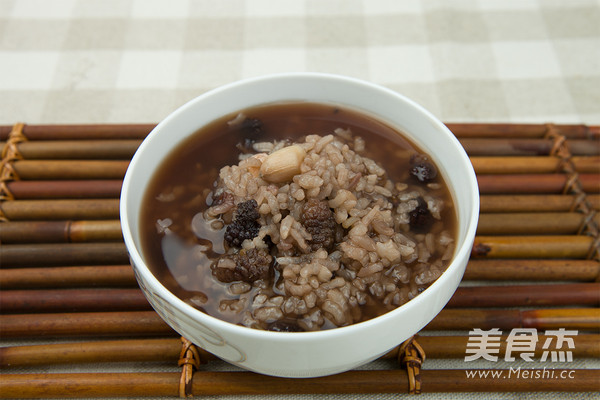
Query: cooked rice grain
(376,261)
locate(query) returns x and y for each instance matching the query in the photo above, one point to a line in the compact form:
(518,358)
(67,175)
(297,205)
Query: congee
(297,217)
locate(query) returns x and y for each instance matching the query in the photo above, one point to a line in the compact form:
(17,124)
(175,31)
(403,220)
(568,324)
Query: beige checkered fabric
(102,61)
(121,61)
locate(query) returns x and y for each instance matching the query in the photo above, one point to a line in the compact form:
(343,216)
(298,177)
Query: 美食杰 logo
(556,345)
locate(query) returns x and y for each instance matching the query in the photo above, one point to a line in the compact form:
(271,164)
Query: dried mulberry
(244,226)
(319,221)
(247,266)
(253,126)
(422,169)
(247,211)
(420,218)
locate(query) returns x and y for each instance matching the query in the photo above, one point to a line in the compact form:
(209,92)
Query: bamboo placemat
(65,276)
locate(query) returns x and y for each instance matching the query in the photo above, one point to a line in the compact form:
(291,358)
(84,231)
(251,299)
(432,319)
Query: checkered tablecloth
(103,61)
(131,61)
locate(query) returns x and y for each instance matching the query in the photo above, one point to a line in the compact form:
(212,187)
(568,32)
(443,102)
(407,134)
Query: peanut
(281,165)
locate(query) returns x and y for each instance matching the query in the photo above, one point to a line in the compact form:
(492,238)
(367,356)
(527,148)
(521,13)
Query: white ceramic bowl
(303,354)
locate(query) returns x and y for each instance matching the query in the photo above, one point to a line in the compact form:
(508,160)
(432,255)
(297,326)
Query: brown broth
(180,190)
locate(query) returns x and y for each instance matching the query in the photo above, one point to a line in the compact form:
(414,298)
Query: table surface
(135,61)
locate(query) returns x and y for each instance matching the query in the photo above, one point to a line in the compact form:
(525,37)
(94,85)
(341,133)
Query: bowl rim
(141,267)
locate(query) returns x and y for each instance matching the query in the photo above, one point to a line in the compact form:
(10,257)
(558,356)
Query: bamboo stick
(81,132)
(510,130)
(60,231)
(118,323)
(35,152)
(465,319)
(532,165)
(483,130)
(488,184)
(122,275)
(29,167)
(119,149)
(532,223)
(89,385)
(115,169)
(17,210)
(532,270)
(148,323)
(94,231)
(161,350)
(208,383)
(128,350)
(580,294)
(72,300)
(531,247)
(69,169)
(540,247)
(459,319)
(535,203)
(110,230)
(32,255)
(91,300)
(453,346)
(534,183)
(67,277)
(88,231)
(69,209)
(36,156)
(525,147)
(585,319)
(65,189)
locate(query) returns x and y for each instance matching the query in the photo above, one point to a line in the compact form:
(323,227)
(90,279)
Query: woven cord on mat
(560,148)
(411,356)
(10,153)
(189,361)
